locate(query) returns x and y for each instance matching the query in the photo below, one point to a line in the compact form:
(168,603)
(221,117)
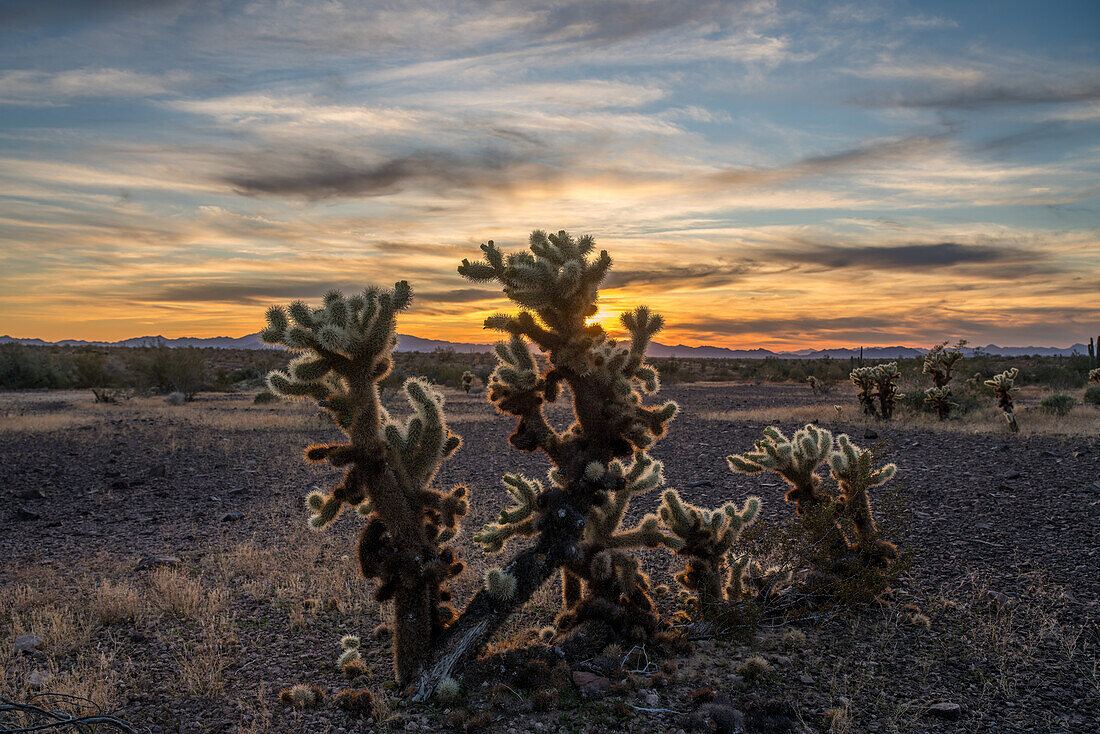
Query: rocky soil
(993,628)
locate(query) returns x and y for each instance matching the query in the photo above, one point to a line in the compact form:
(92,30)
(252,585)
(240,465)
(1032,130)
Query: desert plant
(1094,375)
(939,363)
(819,385)
(265,397)
(175,369)
(1092,395)
(1003,385)
(467,380)
(597,463)
(839,519)
(345,350)
(886,388)
(864,380)
(1059,405)
(939,399)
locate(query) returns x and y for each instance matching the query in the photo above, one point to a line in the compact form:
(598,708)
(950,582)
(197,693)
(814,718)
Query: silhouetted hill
(417,344)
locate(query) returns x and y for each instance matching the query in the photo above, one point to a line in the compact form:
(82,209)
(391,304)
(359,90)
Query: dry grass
(178,594)
(1081,421)
(201,662)
(114,602)
(44,423)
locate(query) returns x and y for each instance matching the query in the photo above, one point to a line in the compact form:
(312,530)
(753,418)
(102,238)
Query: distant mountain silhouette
(416,344)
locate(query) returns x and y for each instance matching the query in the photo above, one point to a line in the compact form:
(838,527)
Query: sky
(766,174)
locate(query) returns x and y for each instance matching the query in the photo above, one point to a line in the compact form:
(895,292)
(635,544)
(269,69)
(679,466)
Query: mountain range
(416,344)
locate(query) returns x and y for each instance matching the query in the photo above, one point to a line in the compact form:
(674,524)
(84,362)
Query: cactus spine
(345,349)
(1003,386)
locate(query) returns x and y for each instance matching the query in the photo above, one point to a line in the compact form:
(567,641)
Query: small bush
(1092,395)
(264,397)
(1058,404)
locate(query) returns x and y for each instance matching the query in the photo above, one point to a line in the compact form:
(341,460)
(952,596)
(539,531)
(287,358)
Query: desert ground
(159,555)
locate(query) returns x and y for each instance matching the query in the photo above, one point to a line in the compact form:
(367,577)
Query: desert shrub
(1058,404)
(23,368)
(1092,395)
(179,369)
(265,397)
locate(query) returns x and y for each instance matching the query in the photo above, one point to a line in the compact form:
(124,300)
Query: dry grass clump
(201,663)
(179,594)
(61,627)
(43,423)
(114,602)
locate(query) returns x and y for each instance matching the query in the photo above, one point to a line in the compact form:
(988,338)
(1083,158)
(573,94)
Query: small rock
(150,561)
(1048,454)
(231,516)
(869,434)
(120,484)
(700,483)
(236,490)
(582,679)
(806,678)
(28,643)
(22,513)
(28,494)
(160,470)
(38,679)
(1012,475)
(949,711)
(652,700)
(997,599)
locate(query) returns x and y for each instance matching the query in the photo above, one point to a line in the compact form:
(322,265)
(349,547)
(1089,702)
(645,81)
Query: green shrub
(264,397)
(1092,395)
(1058,404)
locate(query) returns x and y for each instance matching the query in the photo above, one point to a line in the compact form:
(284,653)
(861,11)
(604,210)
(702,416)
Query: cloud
(986,95)
(323,174)
(615,20)
(702,275)
(28,87)
(910,256)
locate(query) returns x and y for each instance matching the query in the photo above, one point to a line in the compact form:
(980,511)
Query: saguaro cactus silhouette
(556,285)
(1003,386)
(345,350)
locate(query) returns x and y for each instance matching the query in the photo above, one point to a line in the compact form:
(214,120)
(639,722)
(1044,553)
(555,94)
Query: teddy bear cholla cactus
(797,460)
(939,398)
(556,285)
(1003,386)
(880,383)
(1094,375)
(939,363)
(345,350)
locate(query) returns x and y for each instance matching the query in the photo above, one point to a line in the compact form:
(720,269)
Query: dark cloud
(324,174)
(808,327)
(682,276)
(278,290)
(907,257)
(986,96)
(877,152)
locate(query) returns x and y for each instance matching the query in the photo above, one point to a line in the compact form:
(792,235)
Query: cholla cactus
(1094,375)
(854,471)
(864,380)
(345,350)
(795,459)
(556,285)
(939,398)
(467,380)
(706,538)
(886,386)
(939,362)
(1003,386)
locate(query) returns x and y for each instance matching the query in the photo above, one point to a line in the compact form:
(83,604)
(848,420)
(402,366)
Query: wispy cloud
(30,87)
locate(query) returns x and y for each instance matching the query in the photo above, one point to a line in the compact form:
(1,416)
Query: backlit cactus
(467,380)
(345,350)
(864,380)
(886,386)
(1094,375)
(598,462)
(1003,386)
(845,511)
(939,363)
(796,459)
(939,399)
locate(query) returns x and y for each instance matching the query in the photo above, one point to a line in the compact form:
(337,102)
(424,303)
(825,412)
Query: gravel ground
(1001,638)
